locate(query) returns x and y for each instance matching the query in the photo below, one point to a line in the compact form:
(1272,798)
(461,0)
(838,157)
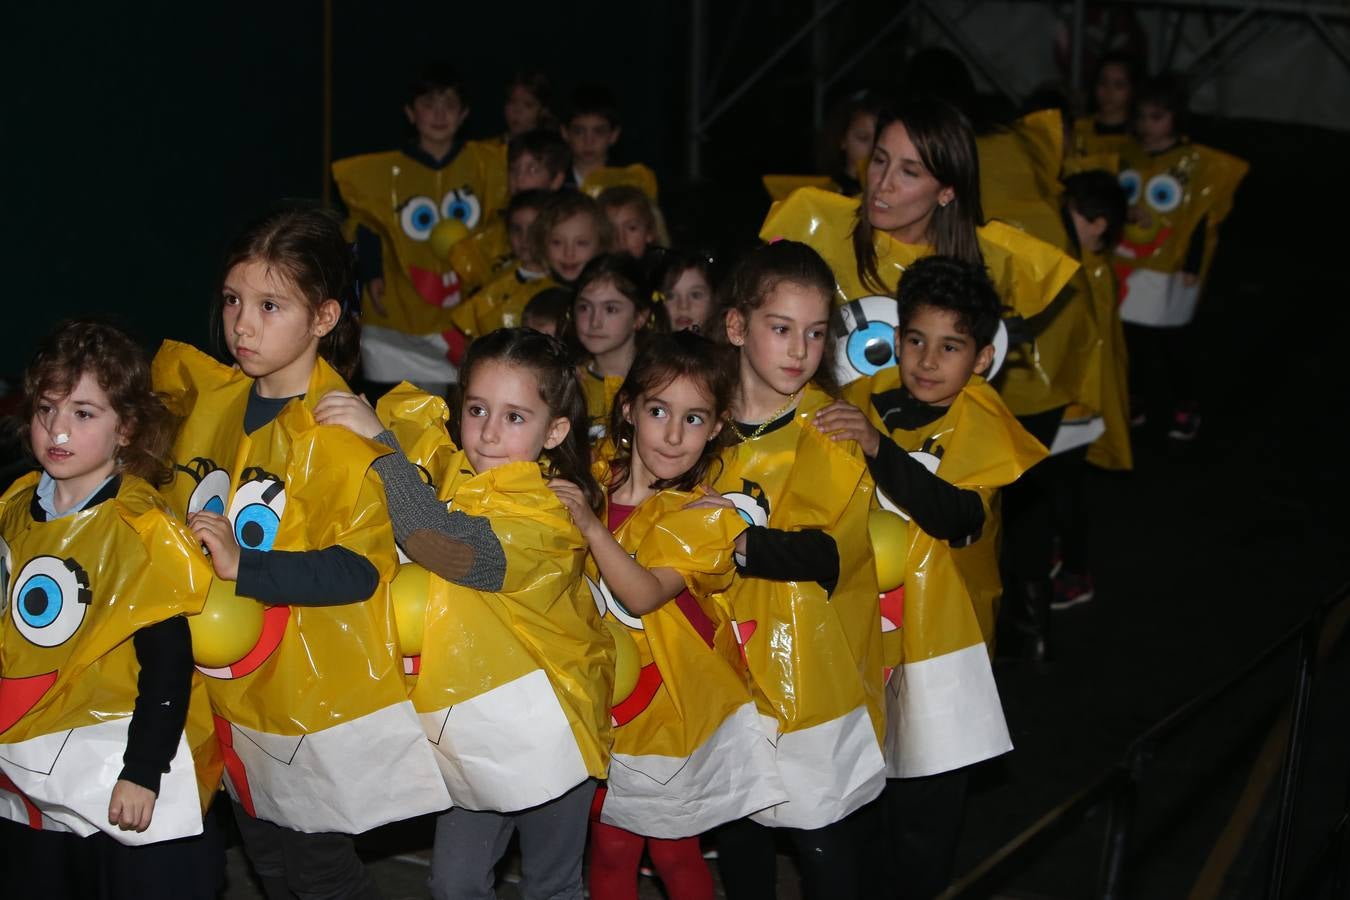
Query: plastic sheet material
(689,754)
(318,730)
(1171,194)
(75,590)
(402,201)
(600,391)
(1089,150)
(1111,373)
(500,304)
(1019,175)
(814,658)
(942,705)
(513,686)
(636,175)
(780,186)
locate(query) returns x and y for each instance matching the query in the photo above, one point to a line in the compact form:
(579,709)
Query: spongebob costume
(599,391)
(1171,195)
(942,706)
(1091,149)
(513,685)
(75,591)
(318,731)
(500,304)
(814,658)
(689,753)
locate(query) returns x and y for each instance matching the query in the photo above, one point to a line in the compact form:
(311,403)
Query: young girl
(687,290)
(516,673)
(106,744)
(849,139)
(570,232)
(690,712)
(1179,193)
(1098,138)
(529,103)
(320,739)
(805,605)
(613,306)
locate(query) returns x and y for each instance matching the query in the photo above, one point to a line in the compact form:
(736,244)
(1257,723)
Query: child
(516,673)
(317,748)
(537,160)
(548,311)
(570,231)
(632,218)
(591,129)
(804,603)
(1179,193)
(501,302)
(687,290)
(849,140)
(529,104)
(613,305)
(940,444)
(690,713)
(106,743)
(1098,138)
(396,200)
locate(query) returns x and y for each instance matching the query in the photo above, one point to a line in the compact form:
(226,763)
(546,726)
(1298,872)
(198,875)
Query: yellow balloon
(890,546)
(227,627)
(409,592)
(625,661)
(446,234)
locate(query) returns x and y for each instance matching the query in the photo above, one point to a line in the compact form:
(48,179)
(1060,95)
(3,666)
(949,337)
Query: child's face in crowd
(76,438)
(1156,126)
(571,244)
(901,193)
(1113,93)
(858,140)
(504,418)
(590,136)
(605,319)
(518,230)
(631,231)
(437,116)
(672,425)
(521,111)
(1088,231)
(528,173)
(936,357)
(784,339)
(540,323)
(690,302)
(270,328)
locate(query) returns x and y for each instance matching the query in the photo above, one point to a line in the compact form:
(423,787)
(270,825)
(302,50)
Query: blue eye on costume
(1164,192)
(51,596)
(1130,181)
(868,343)
(870,350)
(256,526)
(418,217)
(463,205)
(749,510)
(210,492)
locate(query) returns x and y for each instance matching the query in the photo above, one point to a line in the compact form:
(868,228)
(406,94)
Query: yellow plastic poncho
(636,175)
(1171,194)
(1019,175)
(403,201)
(514,685)
(780,187)
(600,391)
(1090,150)
(1112,383)
(814,658)
(498,305)
(942,705)
(73,591)
(318,729)
(689,753)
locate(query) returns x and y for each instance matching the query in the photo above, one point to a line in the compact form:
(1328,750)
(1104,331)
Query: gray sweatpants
(552,841)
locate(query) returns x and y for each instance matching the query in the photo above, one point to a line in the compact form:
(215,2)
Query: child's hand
(575,501)
(376,288)
(131,807)
(350,411)
(216,532)
(845,422)
(710,500)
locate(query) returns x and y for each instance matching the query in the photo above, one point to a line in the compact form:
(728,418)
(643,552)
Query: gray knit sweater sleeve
(460,548)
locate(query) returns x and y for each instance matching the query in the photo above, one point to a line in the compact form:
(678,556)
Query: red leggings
(615,855)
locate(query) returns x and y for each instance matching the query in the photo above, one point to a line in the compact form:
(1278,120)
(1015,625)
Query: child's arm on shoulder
(777,555)
(639,589)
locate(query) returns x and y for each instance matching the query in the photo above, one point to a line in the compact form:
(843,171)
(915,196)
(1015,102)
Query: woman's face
(901,194)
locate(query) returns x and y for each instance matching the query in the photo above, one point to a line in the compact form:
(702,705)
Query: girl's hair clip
(658,297)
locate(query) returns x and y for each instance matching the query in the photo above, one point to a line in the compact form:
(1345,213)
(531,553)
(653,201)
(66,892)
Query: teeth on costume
(62,438)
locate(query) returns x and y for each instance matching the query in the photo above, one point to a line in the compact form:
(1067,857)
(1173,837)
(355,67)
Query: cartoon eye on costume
(867,345)
(462,204)
(1130,181)
(6,570)
(1000,344)
(605,600)
(210,493)
(256,512)
(418,217)
(1164,192)
(51,596)
(751,511)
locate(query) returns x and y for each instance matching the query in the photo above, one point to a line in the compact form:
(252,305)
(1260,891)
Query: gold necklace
(767,422)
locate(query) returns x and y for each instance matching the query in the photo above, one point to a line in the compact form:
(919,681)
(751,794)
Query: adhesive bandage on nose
(61,438)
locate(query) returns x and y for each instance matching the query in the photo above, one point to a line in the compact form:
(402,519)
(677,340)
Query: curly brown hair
(122,370)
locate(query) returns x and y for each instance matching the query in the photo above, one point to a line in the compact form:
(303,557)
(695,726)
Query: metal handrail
(1120,783)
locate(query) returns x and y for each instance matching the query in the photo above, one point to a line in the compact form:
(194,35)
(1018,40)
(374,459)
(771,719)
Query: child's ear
(408,111)
(642,319)
(735,323)
(628,412)
(614,135)
(984,359)
(556,182)
(558,430)
(716,430)
(1097,230)
(326,317)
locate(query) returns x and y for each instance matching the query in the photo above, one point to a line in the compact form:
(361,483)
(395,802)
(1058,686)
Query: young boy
(548,310)
(501,302)
(940,444)
(591,129)
(397,200)
(632,216)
